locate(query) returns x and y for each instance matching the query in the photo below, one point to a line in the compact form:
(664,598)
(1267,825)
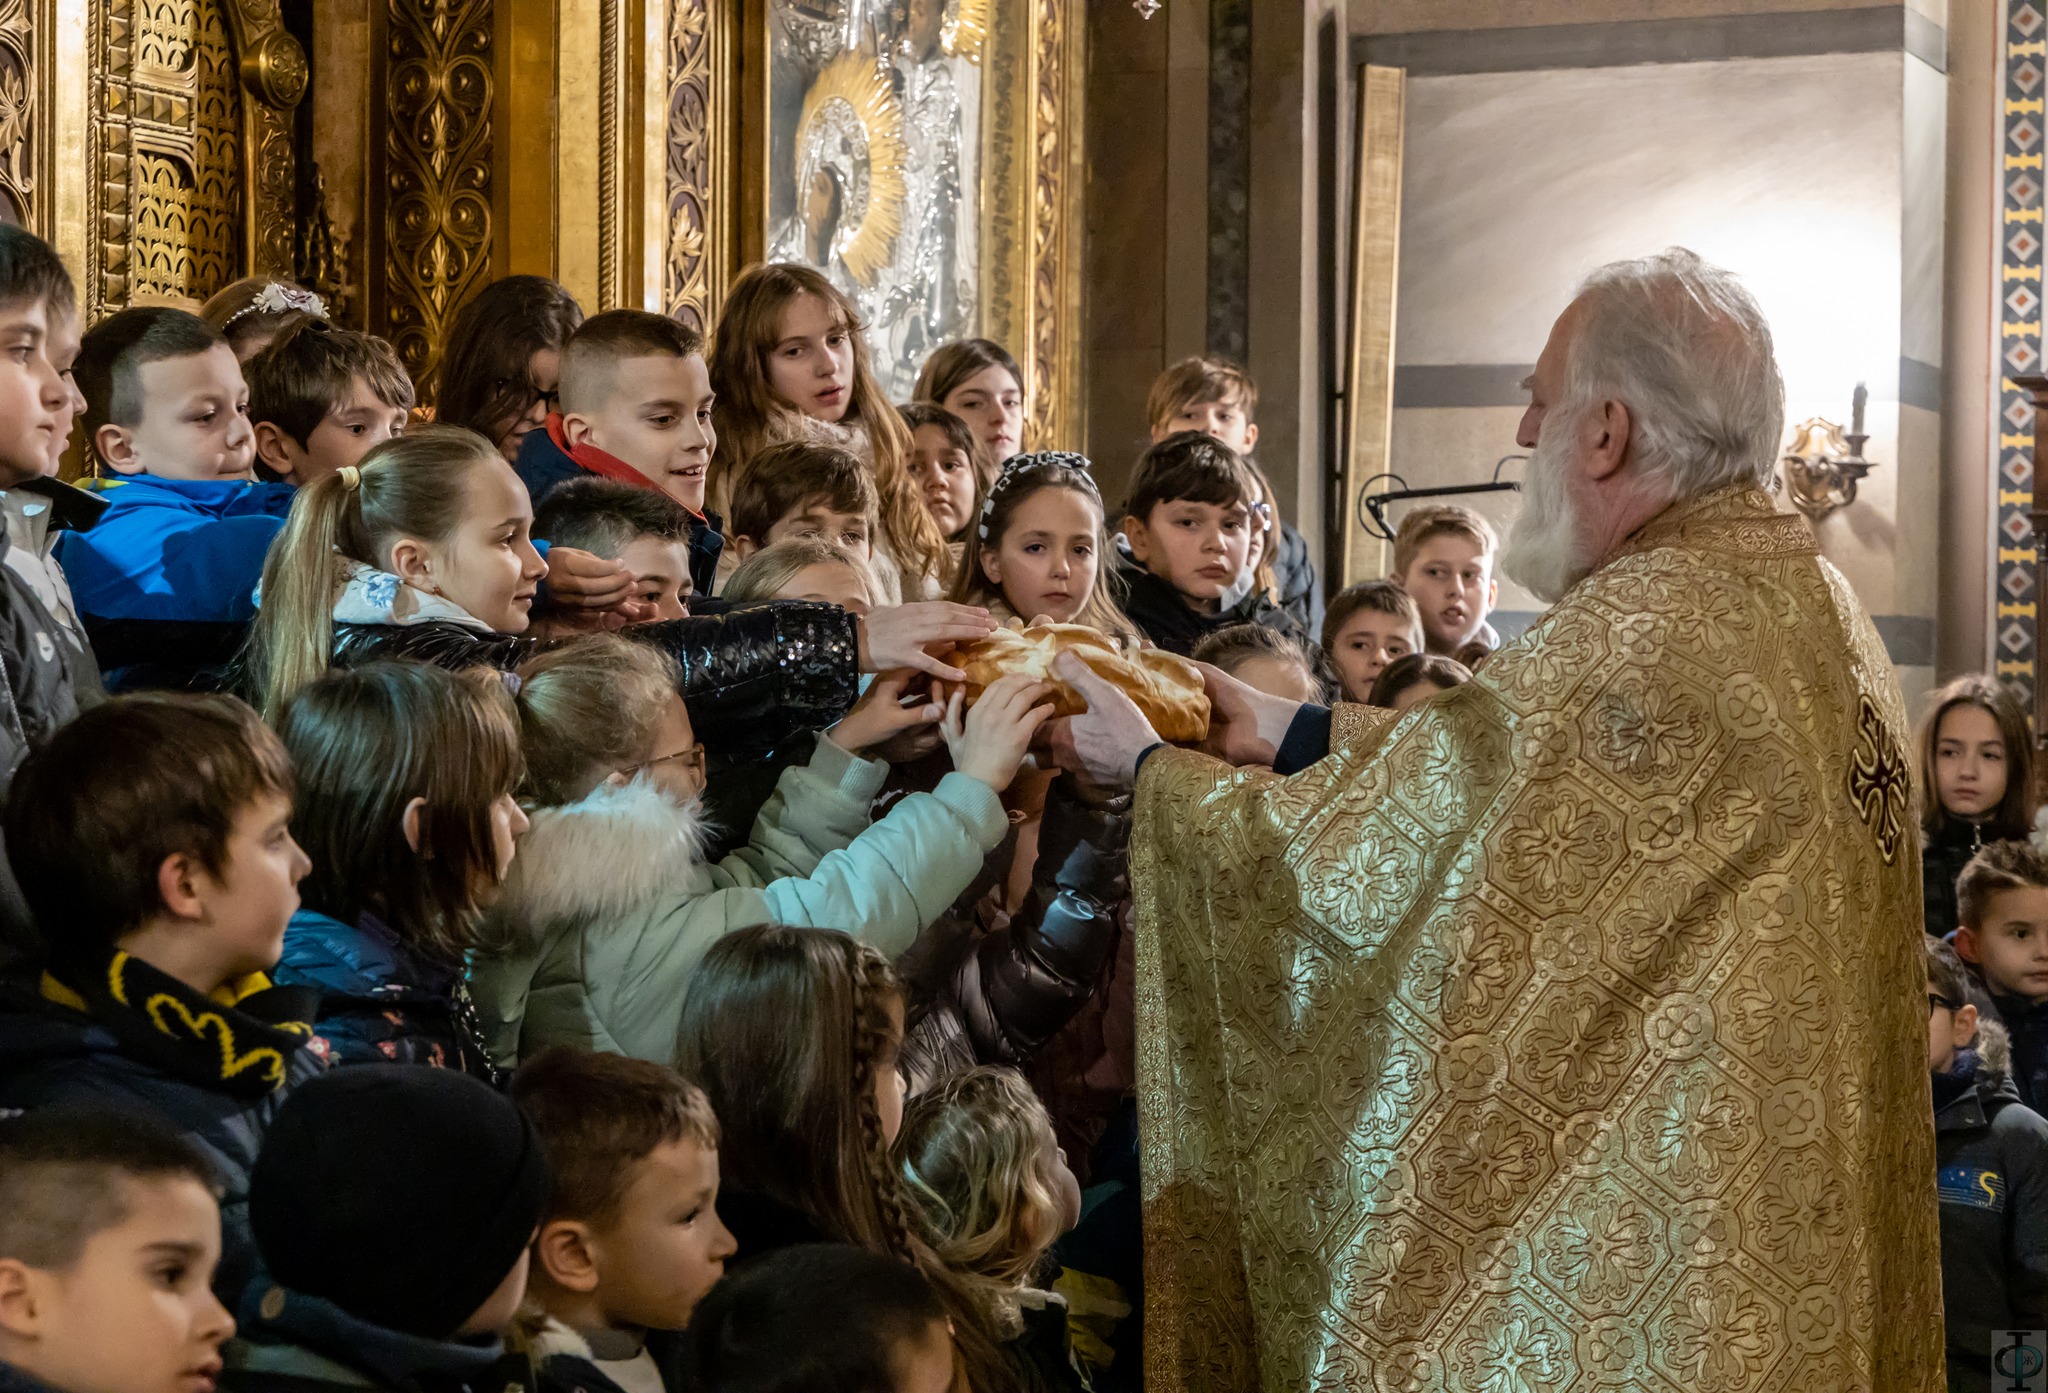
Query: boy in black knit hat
(393,1207)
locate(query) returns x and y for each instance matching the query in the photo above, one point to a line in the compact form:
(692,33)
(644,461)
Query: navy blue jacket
(2027,1023)
(295,1343)
(380,1002)
(544,466)
(52,1056)
(165,582)
(1991,1154)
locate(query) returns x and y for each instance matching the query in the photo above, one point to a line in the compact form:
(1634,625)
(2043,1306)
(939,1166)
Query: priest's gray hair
(1685,347)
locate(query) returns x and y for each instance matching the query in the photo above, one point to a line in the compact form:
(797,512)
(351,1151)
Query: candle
(1856,410)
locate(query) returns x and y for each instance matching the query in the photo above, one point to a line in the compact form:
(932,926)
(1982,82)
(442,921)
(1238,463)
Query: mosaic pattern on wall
(2019,348)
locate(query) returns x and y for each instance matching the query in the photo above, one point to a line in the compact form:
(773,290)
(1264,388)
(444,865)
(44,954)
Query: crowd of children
(536,914)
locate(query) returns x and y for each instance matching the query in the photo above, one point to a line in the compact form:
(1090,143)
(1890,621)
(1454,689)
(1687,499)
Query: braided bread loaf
(1165,686)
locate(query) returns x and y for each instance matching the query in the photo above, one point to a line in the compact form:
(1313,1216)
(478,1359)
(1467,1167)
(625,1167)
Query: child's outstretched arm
(893,879)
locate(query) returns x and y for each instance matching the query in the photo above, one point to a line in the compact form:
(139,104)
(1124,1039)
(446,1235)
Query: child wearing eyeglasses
(613,904)
(1991,1154)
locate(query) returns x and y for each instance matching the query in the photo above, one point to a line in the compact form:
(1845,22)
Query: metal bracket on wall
(1374,505)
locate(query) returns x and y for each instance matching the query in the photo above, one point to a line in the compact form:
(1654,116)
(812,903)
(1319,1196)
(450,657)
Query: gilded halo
(852,129)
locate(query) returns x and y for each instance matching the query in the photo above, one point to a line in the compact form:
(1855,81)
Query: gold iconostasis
(396,156)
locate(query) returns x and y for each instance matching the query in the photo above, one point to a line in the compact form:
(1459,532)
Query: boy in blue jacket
(166,581)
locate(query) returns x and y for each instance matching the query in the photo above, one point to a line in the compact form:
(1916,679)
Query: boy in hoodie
(2002,933)
(393,1206)
(1219,398)
(1991,1154)
(321,397)
(631,1240)
(152,841)
(1187,532)
(636,407)
(108,1238)
(167,580)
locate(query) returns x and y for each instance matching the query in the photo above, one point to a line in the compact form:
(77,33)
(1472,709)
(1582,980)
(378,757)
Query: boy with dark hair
(1217,397)
(108,1238)
(823,1316)
(1370,625)
(151,838)
(1443,556)
(631,1240)
(2002,933)
(1187,530)
(1991,1159)
(1272,661)
(635,407)
(394,1205)
(321,397)
(798,489)
(647,531)
(166,581)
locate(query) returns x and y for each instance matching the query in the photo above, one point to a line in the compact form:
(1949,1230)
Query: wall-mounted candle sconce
(1823,463)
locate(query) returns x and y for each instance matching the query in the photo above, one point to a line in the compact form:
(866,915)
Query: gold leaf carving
(437,216)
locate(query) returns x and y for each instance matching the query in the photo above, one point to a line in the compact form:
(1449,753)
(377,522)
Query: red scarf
(595,461)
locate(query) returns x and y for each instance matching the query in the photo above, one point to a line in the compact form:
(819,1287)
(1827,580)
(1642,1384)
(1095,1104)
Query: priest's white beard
(1542,554)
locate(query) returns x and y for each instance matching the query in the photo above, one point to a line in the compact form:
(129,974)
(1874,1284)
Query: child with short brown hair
(321,397)
(109,1234)
(1444,556)
(800,489)
(152,840)
(1417,677)
(2002,933)
(646,531)
(630,1240)
(635,408)
(1370,625)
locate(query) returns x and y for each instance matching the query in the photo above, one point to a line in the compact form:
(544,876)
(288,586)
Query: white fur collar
(621,846)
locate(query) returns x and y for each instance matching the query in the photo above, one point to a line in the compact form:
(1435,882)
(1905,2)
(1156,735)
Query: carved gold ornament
(965,29)
(852,130)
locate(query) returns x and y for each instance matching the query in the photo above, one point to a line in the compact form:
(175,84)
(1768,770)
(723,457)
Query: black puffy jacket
(753,677)
(1013,988)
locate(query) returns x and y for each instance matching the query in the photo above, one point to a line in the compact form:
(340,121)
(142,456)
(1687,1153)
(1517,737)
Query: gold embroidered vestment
(1564,1033)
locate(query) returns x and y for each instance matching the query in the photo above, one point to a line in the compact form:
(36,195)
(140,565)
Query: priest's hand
(1246,725)
(1101,746)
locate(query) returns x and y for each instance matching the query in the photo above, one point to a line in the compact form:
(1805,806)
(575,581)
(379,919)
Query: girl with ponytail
(789,362)
(793,1036)
(423,552)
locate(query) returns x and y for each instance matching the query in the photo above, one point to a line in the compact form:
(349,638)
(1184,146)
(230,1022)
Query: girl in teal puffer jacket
(611,903)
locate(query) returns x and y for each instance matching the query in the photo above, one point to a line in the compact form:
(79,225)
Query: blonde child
(1444,556)
(1268,660)
(1976,763)
(804,568)
(611,904)
(789,362)
(992,1192)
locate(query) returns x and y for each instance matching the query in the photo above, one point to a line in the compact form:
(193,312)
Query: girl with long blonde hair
(789,360)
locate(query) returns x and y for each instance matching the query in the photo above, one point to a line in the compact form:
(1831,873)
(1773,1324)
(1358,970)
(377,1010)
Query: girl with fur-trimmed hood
(611,904)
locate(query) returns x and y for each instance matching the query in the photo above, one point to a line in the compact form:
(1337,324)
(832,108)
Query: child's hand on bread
(880,715)
(988,742)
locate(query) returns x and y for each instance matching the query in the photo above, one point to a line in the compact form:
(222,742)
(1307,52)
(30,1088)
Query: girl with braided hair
(793,1035)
